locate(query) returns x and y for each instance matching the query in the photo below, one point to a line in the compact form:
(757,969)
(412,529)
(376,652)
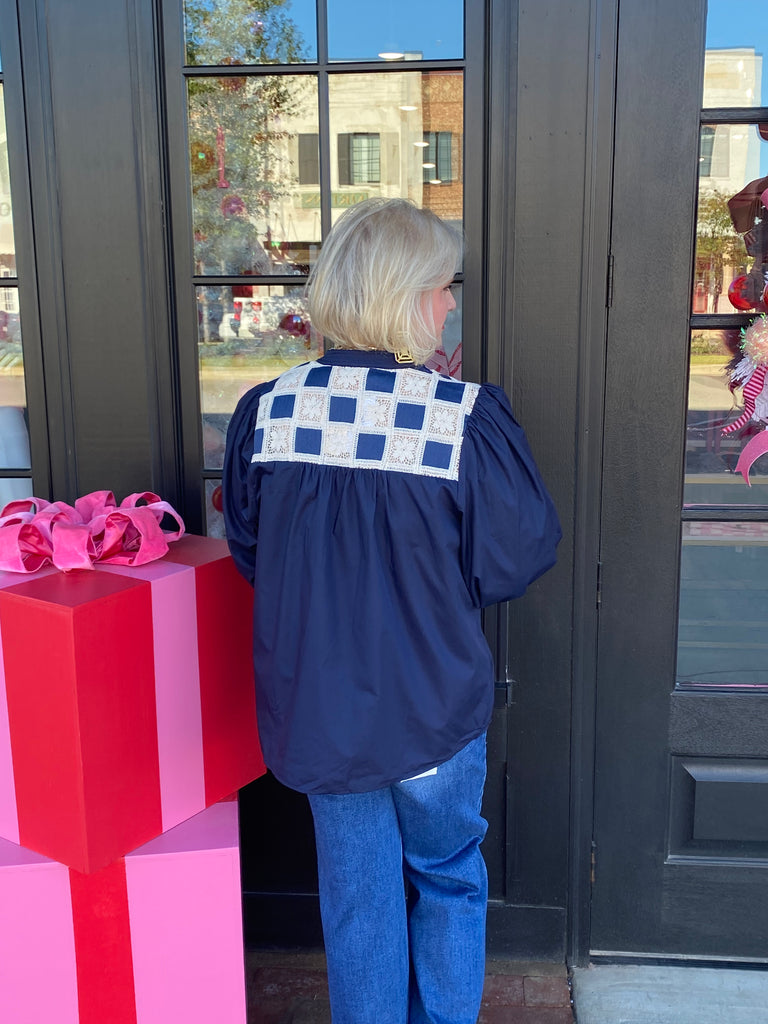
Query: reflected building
(729,158)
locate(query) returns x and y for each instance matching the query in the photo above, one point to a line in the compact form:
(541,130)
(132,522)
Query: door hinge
(609,282)
(599,592)
(592,858)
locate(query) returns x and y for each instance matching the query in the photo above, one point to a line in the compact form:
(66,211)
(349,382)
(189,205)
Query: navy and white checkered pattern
(407,421)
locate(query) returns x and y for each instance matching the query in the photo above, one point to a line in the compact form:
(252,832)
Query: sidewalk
(291,988)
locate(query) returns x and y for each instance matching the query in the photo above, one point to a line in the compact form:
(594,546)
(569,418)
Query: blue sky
(360,29)
(739,23)
(742,23)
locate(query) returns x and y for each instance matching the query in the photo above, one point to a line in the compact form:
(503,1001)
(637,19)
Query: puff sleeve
(509,526)
(239,495)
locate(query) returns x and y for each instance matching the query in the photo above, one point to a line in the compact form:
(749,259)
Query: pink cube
(127,701)
(153,938)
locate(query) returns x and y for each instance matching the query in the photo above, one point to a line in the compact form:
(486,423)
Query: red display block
(154,937)
(127,701)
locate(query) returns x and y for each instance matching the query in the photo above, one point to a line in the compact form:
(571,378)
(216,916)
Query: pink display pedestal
(154,938)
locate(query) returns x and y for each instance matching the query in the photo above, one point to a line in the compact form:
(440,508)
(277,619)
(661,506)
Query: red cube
(127,701)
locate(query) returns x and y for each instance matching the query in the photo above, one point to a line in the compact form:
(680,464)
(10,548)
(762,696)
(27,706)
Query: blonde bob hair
(371,285)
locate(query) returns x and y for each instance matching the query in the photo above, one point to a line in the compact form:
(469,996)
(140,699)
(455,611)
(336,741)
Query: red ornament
(736,290)
(294,325)
(216,499)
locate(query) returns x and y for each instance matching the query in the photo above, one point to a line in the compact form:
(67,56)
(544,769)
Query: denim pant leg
(442,828)
(362,904)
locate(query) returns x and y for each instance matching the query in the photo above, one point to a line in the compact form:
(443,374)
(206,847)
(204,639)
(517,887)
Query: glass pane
(732,220)
(253,155)
(13,489)
(14,440)
(396,30)
(7,244)
(737,35)
(214,520)
(247,334)
(410,123)
(710,458)
(448,357)
(723,605)
(242,32)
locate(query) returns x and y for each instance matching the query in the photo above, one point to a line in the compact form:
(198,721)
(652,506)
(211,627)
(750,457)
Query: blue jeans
(392,962)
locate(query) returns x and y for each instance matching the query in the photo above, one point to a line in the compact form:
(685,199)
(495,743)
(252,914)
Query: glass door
(280,117)
(681,800)
(285,115)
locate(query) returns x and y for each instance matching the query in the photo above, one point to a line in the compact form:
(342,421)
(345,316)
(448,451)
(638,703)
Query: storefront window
(737,37)
(14,437)
(732,220)
(241,32)
(723,596)
(248,334)
(395,30)
(275,156)
(711,476)
(248,217)
(723,605)
(389,145)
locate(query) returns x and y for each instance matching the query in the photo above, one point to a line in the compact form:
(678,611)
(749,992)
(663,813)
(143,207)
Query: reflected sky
(433,29)
(733,23)
(739,23)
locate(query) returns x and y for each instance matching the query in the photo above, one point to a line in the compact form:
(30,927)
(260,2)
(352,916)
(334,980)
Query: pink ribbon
(751,452)
(34,532)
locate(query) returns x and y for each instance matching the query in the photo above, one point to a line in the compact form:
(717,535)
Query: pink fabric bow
(34,532)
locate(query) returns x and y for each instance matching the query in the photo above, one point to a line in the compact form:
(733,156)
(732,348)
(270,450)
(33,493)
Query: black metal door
(681,802)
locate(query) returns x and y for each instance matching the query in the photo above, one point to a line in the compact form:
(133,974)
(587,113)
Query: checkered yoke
(404,420)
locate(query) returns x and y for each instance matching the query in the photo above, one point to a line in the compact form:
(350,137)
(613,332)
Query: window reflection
(246,161)
(723,605)
(241,32)
(7,243)
(710,458)
(214,519)
(405,140)
(247,334)
(13,489)
(731,269)
(448,358)
(14,445)
(396,30)
(733,65)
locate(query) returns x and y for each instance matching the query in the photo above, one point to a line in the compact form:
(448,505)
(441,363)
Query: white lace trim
(404,420)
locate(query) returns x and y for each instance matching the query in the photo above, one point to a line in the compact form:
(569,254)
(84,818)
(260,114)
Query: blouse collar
(372,357)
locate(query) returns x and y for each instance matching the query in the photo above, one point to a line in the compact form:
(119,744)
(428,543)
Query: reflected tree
(718,247)
(241,32)
(238,129)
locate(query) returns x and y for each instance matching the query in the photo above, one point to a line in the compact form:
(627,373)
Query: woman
(376,507)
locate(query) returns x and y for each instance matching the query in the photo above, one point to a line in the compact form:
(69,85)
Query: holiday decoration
(737,293)
(127,700)
(748,372)
(154,937)
(127,721)
(35,532)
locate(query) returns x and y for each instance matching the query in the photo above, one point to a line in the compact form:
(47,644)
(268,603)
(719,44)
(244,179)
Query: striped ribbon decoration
(751,390)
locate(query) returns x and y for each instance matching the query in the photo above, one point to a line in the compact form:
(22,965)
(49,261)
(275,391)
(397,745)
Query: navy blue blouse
(376,508)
